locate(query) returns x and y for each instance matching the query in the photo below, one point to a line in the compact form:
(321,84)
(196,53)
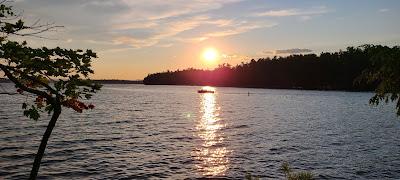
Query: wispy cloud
(234,58)
(240,28)
(161,9)
(294,12)
(305,18)
(139,23)
(152,22)
(134,42)
(147,23)
(171,30)
(266,52)
(384,10)
(287,51)
(191,39)
(293,51)
(159,30)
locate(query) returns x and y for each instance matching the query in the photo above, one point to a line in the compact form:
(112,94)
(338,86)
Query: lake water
(152,132)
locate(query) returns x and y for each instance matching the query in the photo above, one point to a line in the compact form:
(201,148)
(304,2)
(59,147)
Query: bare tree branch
(22,86)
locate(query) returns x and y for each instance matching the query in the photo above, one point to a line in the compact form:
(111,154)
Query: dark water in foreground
(173,132)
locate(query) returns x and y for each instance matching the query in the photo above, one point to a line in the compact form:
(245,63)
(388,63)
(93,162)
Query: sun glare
(210,55)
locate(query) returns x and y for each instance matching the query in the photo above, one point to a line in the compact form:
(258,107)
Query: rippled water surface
(140,132)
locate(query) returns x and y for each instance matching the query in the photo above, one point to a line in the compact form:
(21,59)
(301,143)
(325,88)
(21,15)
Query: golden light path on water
(212,153)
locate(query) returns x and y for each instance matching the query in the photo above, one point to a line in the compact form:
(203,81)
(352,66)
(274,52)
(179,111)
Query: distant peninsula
(327,71)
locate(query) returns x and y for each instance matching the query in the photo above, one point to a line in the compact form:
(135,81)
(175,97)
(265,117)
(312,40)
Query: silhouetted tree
(384,70)
(56,77)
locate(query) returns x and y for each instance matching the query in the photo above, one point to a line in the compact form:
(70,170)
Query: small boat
(205,91)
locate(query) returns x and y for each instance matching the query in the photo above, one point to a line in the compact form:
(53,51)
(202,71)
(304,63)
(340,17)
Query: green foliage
(56,76)
(32,113)
(9,27)
(385,71)
(290,175)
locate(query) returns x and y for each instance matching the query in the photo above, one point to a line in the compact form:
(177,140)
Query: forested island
(327,71)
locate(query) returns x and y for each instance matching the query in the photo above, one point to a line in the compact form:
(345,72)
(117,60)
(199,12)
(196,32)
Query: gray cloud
(293,51)
(267,52)
(138,23)
(384,10)
(143,23)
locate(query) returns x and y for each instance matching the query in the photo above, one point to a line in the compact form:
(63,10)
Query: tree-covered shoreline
(327,71)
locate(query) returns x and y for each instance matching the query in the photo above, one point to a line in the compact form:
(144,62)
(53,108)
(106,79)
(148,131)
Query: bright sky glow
(136,37)
(210,55)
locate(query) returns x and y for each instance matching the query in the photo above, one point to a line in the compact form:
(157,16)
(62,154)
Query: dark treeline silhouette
(328,71)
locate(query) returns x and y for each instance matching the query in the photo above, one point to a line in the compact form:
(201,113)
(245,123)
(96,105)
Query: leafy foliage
(53,75)
(290,175)
(385,70)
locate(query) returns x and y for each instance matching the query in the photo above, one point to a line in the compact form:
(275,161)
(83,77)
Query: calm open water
(152,132)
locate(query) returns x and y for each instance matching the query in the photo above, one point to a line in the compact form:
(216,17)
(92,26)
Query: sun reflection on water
(212,153)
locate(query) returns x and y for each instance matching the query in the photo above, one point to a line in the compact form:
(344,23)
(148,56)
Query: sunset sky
(137,37)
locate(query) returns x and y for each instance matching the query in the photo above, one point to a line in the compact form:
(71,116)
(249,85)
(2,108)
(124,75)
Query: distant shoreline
(115,81)
(101,81)
(255,87)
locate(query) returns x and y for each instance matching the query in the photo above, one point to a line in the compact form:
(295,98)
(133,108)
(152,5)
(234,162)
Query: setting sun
(199,89)
(210,55)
